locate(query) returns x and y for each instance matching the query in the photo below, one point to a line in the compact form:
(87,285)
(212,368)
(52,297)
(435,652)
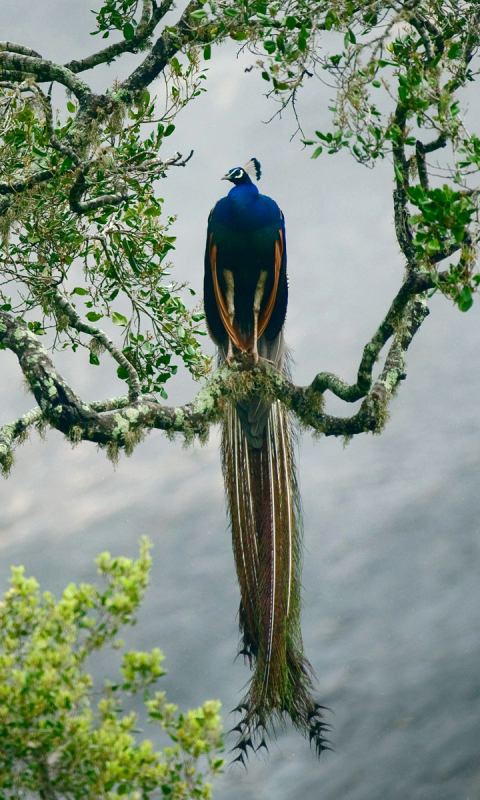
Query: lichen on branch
(121,423)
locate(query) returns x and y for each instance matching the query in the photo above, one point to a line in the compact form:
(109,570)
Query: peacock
(245,297)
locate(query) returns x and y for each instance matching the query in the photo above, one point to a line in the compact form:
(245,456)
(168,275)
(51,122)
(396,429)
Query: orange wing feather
(265,318)
(234,335)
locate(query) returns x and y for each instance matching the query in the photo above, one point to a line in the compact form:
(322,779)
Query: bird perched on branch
(245,295)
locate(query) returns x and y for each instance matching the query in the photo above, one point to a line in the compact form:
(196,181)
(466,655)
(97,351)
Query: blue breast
(244,209)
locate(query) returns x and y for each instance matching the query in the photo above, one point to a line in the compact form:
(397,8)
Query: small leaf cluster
(54,740)
(117,15)
(445,214)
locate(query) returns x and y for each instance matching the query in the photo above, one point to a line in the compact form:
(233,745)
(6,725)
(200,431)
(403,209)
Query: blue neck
(243,190)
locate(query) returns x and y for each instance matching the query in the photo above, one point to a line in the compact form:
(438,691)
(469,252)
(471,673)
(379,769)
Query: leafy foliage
(117,15)
(117,233)
(53,739)
(398,68)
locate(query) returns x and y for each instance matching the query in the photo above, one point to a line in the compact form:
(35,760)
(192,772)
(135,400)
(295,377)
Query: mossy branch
(14,62)
(120,423)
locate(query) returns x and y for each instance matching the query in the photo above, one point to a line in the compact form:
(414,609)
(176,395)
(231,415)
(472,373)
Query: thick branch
(59,404)
(16,187)
(11,47)
(45,71)
(121,422)
(166,46)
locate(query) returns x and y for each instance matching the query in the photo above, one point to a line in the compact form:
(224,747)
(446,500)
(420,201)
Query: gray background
(391,577)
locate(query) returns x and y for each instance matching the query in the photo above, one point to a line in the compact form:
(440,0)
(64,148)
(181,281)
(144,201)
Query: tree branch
(19,48)
(402,227)
(143,31)
(21,186)
(101,337)
(45,71)
(54,141)
(422,30)
(169,43)
(121,422)
(79,187)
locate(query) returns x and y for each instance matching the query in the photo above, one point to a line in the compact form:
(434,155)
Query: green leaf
(119,319)
(71,107)
(454,52)
(128,31)
(93,316)
(269,46)
(66,164)
(200,14)
(317,152)
(79,290)
(122,373)
(432,246)
(207,52)
(94,359)
(465,299)
(169,129)
(330,20)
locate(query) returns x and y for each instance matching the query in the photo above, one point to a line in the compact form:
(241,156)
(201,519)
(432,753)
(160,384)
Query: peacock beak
(226,177)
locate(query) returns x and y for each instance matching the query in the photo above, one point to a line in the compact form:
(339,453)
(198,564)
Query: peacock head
(239,175)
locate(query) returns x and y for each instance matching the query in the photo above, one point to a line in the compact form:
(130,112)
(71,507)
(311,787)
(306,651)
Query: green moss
(131,439)
(132,414)
(122,425)
(113,453)
(75,435)
(204,401)
(6,463)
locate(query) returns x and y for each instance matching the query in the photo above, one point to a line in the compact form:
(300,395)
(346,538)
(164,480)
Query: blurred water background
(391,576)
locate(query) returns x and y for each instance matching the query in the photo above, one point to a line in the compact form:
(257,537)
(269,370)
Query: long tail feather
(264,506)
